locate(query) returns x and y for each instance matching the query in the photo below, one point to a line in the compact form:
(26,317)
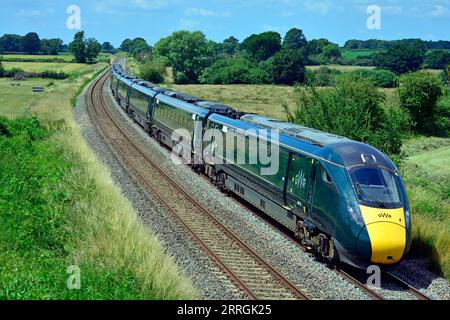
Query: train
(344,200)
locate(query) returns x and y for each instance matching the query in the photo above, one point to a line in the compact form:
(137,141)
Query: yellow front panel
(387,233)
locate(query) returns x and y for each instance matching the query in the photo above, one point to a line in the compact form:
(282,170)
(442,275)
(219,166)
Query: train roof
(144,89)
(182,96)
(188,107)
(345,153)
(309,135)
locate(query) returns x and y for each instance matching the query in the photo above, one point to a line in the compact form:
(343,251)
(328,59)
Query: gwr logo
(384,215)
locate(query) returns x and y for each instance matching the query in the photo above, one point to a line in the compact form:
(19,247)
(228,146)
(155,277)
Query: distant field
(353,54)
(8,57)
(44,66)
(262,99)
(340,68)
(14,101)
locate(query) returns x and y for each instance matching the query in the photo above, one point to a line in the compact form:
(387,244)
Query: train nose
(385,240)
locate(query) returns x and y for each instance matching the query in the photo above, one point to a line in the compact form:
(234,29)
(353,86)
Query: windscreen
(376,185)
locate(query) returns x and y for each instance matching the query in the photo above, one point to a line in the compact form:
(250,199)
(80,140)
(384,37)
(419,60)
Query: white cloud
(206,13)
(187,24)
(119,6)
(440,11)
(30,13)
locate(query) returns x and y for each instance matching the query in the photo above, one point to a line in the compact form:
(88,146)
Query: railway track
(254,276)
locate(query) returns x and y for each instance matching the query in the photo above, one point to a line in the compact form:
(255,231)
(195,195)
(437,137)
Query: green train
(343,199)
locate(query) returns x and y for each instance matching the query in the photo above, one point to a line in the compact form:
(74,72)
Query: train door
(299,187)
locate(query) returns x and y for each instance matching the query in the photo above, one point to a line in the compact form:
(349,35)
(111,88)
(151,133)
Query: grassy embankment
(426,168)
(59,207)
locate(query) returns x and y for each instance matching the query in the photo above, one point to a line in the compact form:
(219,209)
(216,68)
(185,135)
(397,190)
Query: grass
(426,171)
(262,99)
(354,54)
(47,66)
(59,207)
(30,57)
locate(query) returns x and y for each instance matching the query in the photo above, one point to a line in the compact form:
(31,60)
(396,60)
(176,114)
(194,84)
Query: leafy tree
(187,52)
(353,109)
(315,46)
(78,47)
(107,47)
(234,71)
(11,43)
(126,45)
(419,93)
(51,46)
(153,71)
(31,43)
(140,49)
(262,46)
(286,67)
(295,39)
(331,53)
(2,69)
(401,58)
(230,45)
(437,59)
(93,48)
(84,50)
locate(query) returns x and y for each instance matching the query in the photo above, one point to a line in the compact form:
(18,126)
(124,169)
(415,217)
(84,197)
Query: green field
(340,68)
(354,54)
(9,57)
(47,66)
(59,207)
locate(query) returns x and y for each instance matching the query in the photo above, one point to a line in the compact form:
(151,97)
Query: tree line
(32,44)
(375,44)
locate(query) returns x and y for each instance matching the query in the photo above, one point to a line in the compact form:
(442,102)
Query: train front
(378,209)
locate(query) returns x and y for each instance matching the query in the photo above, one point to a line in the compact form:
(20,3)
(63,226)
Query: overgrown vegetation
(59,207)
(353,108)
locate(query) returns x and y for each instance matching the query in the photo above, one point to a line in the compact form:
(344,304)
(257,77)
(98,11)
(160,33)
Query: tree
(93,48)
(31,43)
(187,52)
(140,49)
(419,93)
(107,47)
(286,67)
(295,39)
(353,109)
(126,45)
(2,70)
(230,45)
(153,71)
(11,43)
(51,46)
(78,47)
(331,53)
(316,46)
(262,46)
(401,58)
(237,70)
(437,59)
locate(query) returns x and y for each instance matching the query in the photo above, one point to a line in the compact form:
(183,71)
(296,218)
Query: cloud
(187,24)
(206,13)
(120,6)
(440,11)
(30,13)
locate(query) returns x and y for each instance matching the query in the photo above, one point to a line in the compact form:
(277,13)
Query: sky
(338,21)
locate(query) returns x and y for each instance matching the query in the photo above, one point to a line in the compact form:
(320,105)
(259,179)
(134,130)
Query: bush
(234,71)
(381,78)
(419,93)
(437,59)
(354,109)
(401,58)
(322,77)
(286,67)
(153,71)
(2,69)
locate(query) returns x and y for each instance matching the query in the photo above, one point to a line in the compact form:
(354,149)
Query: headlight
(355,215)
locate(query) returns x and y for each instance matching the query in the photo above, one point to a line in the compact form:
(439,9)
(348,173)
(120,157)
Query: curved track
(255,277)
